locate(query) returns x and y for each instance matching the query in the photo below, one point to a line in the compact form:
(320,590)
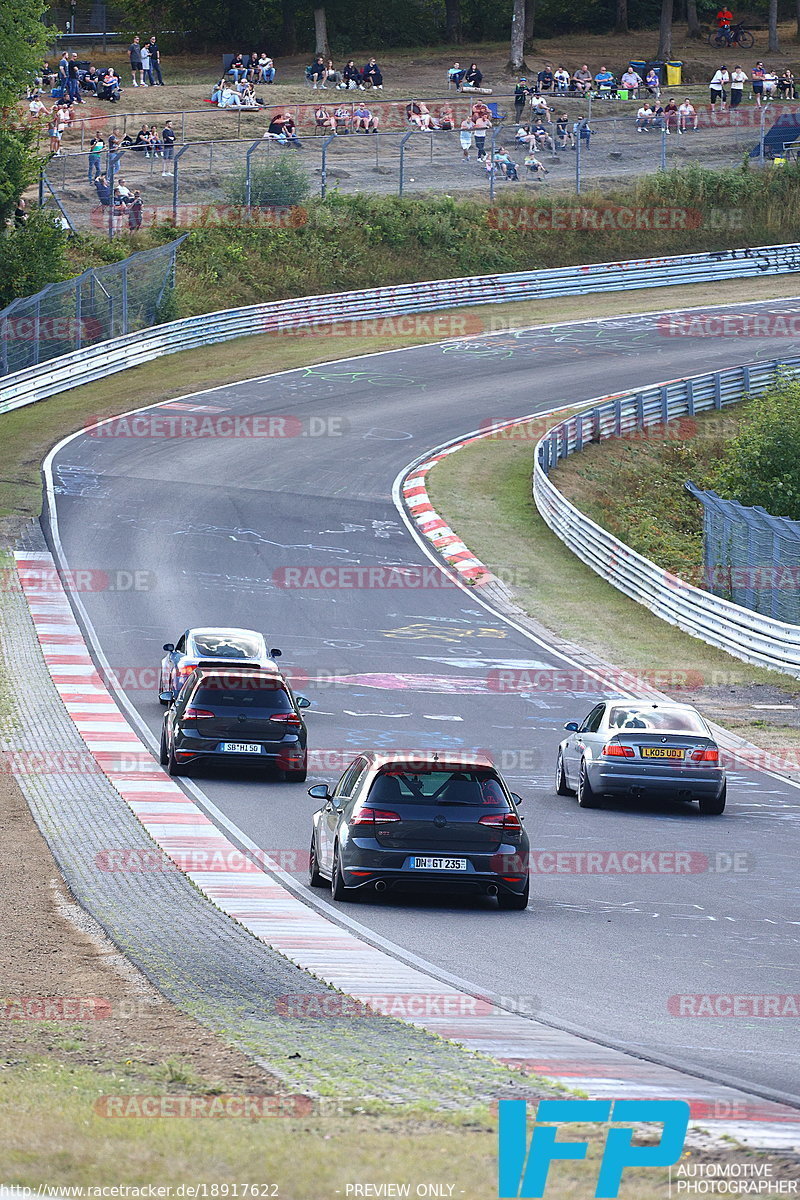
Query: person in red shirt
(724,18)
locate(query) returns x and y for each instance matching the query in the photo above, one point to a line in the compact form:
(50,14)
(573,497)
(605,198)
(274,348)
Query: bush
(282,181)
(762,463)
(32,256)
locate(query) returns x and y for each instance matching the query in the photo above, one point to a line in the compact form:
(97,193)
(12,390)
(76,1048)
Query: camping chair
(496,114)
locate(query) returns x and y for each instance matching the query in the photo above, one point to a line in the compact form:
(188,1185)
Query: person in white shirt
(36,107)
(644,119)
(719,82)
(770,84)
(632,81)
(687,116)
(561,79)
(738,80)
(147,77)
(229,98)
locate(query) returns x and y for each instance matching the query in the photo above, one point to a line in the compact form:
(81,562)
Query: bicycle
(731,35)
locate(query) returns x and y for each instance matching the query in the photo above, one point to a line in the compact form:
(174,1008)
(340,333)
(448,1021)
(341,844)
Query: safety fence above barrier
(746,634)
(311,312)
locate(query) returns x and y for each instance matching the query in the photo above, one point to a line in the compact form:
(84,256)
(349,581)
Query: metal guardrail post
(762,118)
(248,180)
(578,141)
(37,314)
(177,159)
(78,316)
(403,141)
(41,187)
(663,164)
(324,164)
(125,329)
(491,163)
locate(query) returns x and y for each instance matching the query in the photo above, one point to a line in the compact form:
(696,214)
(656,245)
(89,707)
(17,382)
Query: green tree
(762,463)
(32,256)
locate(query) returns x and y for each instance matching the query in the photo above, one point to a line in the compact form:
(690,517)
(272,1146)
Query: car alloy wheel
(562,789)
(314,877)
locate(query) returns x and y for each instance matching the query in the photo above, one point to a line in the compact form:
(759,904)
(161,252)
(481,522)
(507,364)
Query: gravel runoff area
(216,977)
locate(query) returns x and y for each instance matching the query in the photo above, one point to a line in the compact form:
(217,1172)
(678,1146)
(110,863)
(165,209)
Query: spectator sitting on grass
(364,119)
(473,77)
(283,128)
(582,79)
(229,98)
(632,81)
(352,76)
(372,74)
(247,95)
(217,90)
(644,119)
(90,80)
(110,87)
(686,116)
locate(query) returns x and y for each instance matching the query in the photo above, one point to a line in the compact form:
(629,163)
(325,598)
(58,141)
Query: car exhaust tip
(380,886)
(492,889)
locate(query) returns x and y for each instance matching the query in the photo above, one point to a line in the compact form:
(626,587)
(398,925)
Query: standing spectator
(168,142)
(115,152)
(719,82)
(632,81)
(147,78)
(74,81)
(724,19)
(671,115)
(520,96)
(318,72)
(738,80)
(103,189)
(465,136)
(135,212)
(561,79)
(352,76)
(481,125)
(135,55)
(686,116)
(95,158)
(372,74)
(757,79)
(473,77)
(654,83)
(155,62)
(54,132)
(582,79)
(63,72)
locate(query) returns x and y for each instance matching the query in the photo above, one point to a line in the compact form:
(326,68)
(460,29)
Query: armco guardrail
(84,366)
(742,632)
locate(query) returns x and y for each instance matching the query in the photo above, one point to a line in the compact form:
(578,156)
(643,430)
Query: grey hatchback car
(640,749)
(420,823)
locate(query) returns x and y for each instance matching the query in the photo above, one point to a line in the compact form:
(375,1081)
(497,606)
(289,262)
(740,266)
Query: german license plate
(660,752)
(439,864)
(241,747)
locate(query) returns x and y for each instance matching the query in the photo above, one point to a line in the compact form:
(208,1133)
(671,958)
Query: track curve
(218,522)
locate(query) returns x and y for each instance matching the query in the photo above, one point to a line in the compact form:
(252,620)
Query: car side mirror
(572,726)
(517,799)
(275,652)
(320,791)
(168,646)
(165,697)
(303,702)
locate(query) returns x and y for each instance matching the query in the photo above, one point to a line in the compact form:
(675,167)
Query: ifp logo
(523,1168)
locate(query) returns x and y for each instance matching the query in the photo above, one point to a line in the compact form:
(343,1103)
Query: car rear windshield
(657,720)
(261,693)
(214,645)
(480,787)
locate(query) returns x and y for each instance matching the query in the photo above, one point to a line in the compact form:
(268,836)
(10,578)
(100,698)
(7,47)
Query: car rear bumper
(679,783)
(411,879)
(506,869)
(277,756)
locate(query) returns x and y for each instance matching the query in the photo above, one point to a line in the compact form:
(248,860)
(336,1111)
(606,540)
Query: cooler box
(674,74)
(623,94)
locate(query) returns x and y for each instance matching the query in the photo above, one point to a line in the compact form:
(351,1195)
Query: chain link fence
(102,303)
(750,557)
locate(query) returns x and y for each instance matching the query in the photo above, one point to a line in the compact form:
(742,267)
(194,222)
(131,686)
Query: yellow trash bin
(674,78)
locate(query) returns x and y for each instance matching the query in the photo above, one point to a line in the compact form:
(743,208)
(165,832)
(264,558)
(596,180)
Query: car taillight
(368,816)
(289,718)
(705,755)
(509,821)
(198,714)
(614,750)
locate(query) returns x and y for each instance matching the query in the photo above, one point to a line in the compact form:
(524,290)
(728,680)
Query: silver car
(640,749)
(242,647)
